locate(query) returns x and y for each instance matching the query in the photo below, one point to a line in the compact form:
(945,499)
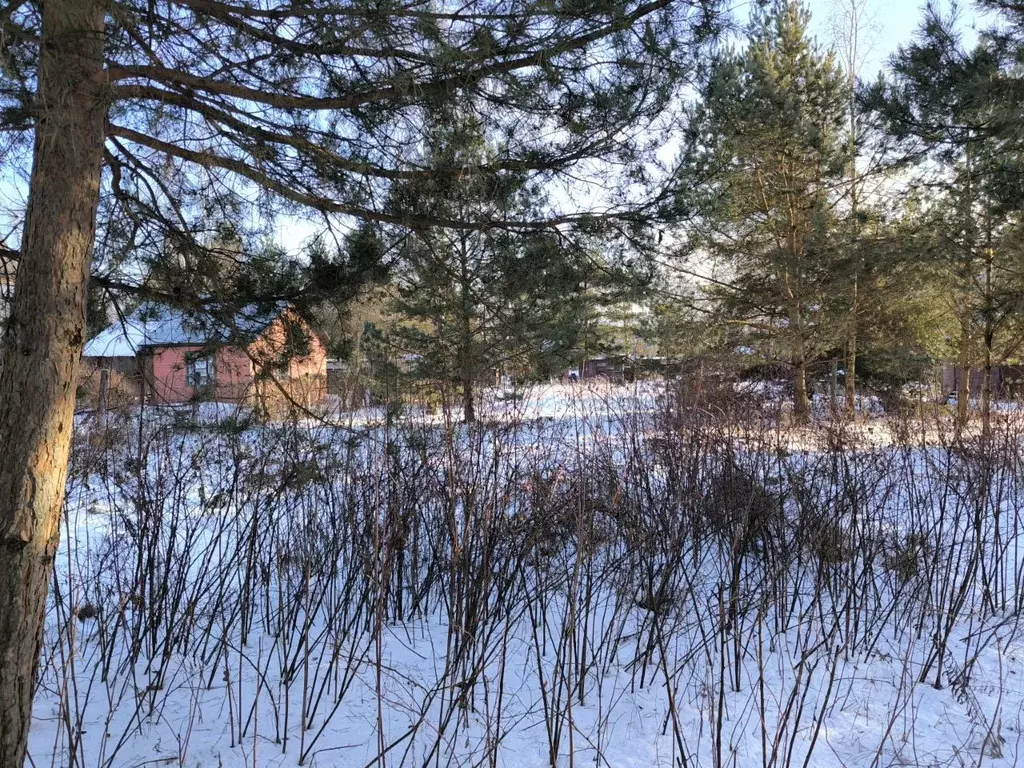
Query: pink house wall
(169,380)
(166,371)
(271,344)
(234,369)
(310,369)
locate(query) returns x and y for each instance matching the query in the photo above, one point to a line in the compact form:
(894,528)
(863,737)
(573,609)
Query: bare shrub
(444,593)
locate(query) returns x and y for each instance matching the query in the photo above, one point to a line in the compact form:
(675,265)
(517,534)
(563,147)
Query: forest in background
(811,228)
(510,188)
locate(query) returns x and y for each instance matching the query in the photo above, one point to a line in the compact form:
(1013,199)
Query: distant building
(177,357)
(1006,383)
(622,368)
(612,368)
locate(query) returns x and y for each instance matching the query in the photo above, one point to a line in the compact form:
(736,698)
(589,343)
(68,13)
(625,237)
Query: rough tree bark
(468,408)
(801,398)
(40,353)
(467,366)
(963,386)
(990,335)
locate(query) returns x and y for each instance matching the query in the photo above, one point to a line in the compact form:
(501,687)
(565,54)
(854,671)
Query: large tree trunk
(852,43)
(990,333)
(851,359)
(801,400)
(963,395)
(467,362)
(986,384)
(468,407)
(963,385)
(41,350)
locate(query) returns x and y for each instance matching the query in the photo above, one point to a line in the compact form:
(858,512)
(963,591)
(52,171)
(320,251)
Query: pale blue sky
(888,24)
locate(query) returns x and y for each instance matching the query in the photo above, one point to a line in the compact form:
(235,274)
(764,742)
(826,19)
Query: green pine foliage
(946,110)
(475,304)
(772,142)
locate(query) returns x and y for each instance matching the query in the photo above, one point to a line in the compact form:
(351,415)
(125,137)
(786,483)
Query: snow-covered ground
(582,580)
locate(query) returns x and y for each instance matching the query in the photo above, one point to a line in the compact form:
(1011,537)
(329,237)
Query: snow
(159,325)
(800,683)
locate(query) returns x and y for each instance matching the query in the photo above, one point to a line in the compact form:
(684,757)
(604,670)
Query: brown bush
(122,390)
(283,398)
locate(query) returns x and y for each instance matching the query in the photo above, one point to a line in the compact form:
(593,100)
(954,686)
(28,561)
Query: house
(179,357)
(622,368)
(1006,382)
(612,368)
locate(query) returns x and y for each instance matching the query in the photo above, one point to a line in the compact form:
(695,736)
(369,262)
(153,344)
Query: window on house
(199,371)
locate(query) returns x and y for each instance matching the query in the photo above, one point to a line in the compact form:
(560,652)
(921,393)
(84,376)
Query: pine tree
(903,316)
(771,136)
(476,302)
(148,115)
(939,107)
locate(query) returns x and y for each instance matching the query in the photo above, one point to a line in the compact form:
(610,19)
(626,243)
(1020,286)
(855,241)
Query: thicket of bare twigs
(422,595)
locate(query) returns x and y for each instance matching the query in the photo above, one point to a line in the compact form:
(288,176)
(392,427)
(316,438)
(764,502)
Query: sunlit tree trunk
(963,388)
(801,400)
(850,375)
(41,350)
(986,384)
(468,367)
(852,17)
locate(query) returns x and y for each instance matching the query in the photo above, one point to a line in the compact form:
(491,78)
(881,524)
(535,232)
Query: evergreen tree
(939,108)
(476,302)
(903,316)
(147,115)
(601,305)
(772,139)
